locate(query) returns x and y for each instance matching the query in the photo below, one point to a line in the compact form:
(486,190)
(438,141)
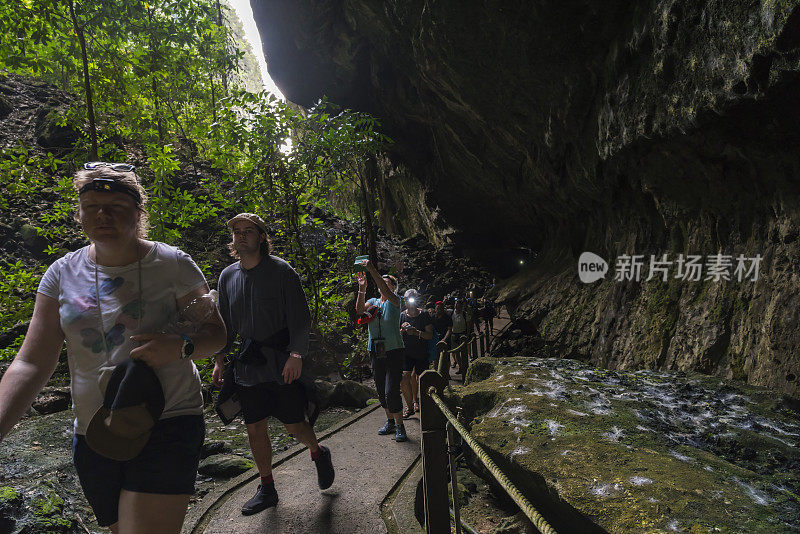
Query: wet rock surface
(39,488)
(224,466)
(638,451)
(52,400)
(667,126)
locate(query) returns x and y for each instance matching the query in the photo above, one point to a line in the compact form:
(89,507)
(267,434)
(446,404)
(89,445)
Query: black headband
(110,186)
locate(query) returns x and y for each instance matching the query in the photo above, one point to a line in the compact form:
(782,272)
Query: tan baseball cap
(249,217)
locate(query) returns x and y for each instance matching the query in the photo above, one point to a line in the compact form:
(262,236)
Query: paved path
(367,468)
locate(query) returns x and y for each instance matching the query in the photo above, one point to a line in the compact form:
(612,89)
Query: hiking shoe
(388,428)
(400,434)
(263,499)
(408,413)
(325,472)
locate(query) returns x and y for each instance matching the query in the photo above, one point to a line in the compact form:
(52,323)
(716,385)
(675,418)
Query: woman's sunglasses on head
(119,167)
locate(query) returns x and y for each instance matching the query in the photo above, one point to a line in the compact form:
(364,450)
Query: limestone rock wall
(667,126)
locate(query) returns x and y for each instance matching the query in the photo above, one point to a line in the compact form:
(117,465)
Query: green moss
(9,494)
(48,505)
(659,320)
(47,510)
(597,463)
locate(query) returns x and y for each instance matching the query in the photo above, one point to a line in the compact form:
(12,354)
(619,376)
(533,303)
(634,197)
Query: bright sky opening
(245,12)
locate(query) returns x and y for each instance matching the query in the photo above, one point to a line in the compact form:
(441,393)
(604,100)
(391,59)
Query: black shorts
(167,465)
(414,364)
(286,402)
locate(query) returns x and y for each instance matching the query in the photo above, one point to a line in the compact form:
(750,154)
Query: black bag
(251,351)
(227,405)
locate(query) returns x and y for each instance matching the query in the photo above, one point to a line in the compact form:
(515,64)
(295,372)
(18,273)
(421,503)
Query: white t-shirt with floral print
(167,275)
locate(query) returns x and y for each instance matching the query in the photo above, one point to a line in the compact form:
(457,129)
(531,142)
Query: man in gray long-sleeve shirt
(262,301)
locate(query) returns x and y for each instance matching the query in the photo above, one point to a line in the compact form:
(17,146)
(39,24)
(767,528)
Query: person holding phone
(417,328)
(385,347)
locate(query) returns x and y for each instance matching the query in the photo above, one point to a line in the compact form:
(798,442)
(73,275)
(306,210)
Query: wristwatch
(188,347)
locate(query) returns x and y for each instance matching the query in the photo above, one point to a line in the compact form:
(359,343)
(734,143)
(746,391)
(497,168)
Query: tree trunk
(213,98)
(154,84)
(87,82)
(367,178)
(220,23)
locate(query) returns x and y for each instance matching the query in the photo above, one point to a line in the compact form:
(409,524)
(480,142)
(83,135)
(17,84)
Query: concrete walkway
(367,466)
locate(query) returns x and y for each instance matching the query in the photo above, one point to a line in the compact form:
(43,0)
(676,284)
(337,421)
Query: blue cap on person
(133,403)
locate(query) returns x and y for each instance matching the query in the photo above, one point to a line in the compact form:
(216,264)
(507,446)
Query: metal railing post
(434,450)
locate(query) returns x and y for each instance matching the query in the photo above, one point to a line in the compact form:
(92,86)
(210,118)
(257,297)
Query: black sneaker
(263,499)
(400,434)
(325,472)
(388,428)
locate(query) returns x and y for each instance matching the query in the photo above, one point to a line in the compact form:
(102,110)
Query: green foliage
(23,173)
(156,69)
(279,161)
(164,76)
(9,494)
(17,291)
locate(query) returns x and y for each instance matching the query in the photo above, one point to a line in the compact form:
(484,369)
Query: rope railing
(463,344)
(439,429)
(527,508)
(444,355)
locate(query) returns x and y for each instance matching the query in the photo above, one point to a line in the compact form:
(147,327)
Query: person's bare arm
(427,333)
(381,283)
(34,363)
(160,349)
(447,334)
(362,292)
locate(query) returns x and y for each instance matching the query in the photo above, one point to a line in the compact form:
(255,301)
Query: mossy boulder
(50,133)
(10,504)
(46,510)
(224,466)
(640,451)
(351,394)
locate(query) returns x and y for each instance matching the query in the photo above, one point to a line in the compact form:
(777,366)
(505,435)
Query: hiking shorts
(167,465)
(415,364)
(285,402)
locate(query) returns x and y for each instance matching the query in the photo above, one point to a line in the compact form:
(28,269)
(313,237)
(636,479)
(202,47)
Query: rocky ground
(638,451)
(39,490)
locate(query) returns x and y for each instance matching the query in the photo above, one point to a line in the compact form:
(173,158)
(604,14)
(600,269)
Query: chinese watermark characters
(688,268)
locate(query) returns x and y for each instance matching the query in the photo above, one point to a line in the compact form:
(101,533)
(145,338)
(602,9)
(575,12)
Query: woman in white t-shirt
(111,301)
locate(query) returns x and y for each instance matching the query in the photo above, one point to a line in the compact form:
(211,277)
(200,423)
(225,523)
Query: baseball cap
(133,403)
(249,217)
